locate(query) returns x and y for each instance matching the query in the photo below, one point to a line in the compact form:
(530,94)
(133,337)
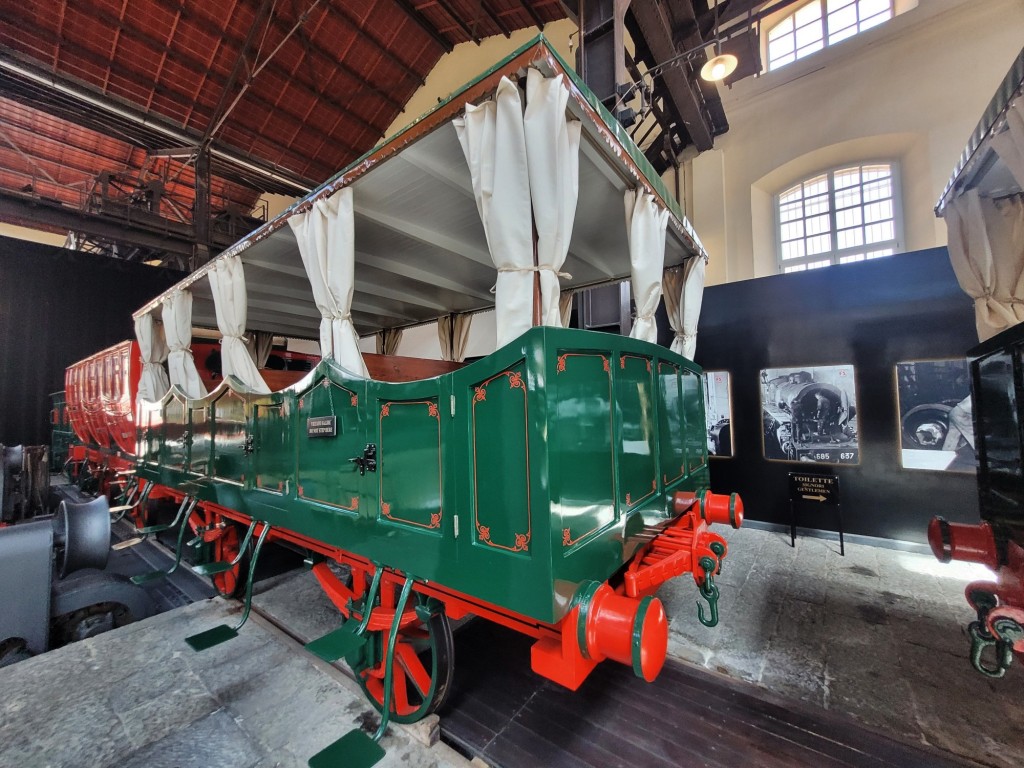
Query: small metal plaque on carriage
(322,426)
(822,489)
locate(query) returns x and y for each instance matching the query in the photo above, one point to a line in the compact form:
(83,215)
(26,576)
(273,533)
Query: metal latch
(368,461)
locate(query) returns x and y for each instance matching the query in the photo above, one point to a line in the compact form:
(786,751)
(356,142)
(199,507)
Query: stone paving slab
(140,697)
(878,634)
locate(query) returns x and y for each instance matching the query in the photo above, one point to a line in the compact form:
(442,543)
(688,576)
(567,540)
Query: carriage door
(331,435)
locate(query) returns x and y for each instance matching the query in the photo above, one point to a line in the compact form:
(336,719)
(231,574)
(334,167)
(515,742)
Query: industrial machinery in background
(62,593)
(997,372)
(24,482)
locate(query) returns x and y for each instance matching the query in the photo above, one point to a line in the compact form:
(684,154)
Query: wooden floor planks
(510,717)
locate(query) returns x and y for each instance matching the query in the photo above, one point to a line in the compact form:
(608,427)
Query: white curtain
(260,344)
(153,383)
(1009,144)
(645,228)
(553,160)
(986,248)
(326,238)
(227,283)
(494,143)
(177,315)
(388,341)
(453,335)
(684,293)
(565,307)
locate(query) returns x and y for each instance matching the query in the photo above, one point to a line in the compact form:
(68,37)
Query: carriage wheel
(224,549)
(423,666)
(230,583)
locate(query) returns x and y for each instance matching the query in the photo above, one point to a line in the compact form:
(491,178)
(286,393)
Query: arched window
(820,23)
(844,215)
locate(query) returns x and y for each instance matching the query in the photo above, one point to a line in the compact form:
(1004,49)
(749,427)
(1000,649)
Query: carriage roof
(421,250)
(980,166)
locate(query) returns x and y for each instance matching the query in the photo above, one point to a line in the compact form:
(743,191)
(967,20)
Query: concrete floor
(139,697)
(879,634)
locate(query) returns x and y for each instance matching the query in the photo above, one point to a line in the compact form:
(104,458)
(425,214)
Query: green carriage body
(511,480)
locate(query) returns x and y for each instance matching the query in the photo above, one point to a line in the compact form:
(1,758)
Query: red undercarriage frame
(1000,603)
(618,620)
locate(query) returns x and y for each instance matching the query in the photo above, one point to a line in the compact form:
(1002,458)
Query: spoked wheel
(231,583)
(423,665)
(224,538)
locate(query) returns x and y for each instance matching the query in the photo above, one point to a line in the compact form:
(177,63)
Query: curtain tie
(685,336)
(534,268)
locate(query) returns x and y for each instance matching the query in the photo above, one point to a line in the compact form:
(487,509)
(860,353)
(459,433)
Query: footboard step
(126,543)
(353,750)
(211,637)
(148,578)
(121,508)
(337,644)
(212,569)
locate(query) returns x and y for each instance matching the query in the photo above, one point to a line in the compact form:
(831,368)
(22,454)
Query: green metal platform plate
(353,750)
(337,644)
(211,637)
(212,569)
(148,578)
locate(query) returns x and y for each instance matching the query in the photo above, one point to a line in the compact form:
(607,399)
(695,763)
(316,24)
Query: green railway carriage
(550,486)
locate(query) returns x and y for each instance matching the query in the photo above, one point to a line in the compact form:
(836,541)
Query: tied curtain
(177,315)
(260,344)
(565,307)
(453,334)
(388,341)
(524,168)
(153,383)
(645,230)
(227,283)
(326,238)
(986,248)
(553,161)
(684,293)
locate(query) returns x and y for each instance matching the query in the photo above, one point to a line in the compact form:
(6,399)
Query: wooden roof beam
(413,13)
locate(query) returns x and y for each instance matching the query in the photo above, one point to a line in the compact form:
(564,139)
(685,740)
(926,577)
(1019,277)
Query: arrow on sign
(815,498)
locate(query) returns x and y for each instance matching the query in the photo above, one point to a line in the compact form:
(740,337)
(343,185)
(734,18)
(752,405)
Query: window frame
(898,243)
(824,40)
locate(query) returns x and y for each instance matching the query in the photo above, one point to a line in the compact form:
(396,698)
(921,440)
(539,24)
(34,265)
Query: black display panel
(870,315)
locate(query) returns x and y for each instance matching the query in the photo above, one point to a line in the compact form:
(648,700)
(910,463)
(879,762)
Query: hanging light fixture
(722,64)
(719,67)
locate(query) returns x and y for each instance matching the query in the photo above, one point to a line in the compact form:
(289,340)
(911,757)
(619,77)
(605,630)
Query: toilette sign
(322,426)
(819,489)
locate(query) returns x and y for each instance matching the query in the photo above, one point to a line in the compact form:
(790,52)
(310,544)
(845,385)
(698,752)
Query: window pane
(816,205)
(796,193)
(851,238)
(790,211)
(776,63)
(792,231)
(872,7)
(883,252)
(817,224)
(847,177)
(777,49)
(808,35)
(819,244)
(816,186)
(851,259)
(808,13)
(878,211)
(795,268)
(843,18)
(794,250)
(834,5)
(801,52)
(877,190)
(872,172)
(819,264)
(836,37)
(784,27)
(848,198)
(879,233)
(849,218)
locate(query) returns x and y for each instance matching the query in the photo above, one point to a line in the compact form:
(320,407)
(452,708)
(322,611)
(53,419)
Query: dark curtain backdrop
(872,314)
(56,307)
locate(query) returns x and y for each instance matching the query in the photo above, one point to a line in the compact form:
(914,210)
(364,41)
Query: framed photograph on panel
(718,410)
(810,414)
(936,426)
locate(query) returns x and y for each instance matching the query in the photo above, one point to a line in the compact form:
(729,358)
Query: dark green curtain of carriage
(56,307)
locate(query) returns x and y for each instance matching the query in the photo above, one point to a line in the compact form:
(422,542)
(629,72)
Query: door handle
(368,461)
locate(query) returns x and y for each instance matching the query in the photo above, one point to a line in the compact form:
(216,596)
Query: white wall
(911,90)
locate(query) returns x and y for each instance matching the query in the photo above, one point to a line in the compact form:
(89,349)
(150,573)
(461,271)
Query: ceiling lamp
(719,68)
